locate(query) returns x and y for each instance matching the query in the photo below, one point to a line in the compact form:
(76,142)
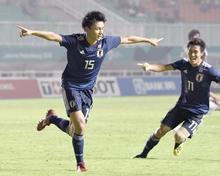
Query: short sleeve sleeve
(215,75)
(178,64)
(113,41)
(67,41)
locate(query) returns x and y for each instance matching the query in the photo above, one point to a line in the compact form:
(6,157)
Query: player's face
(195,55)
(95,32)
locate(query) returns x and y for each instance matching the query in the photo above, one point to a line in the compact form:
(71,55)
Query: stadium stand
(21,10)
(169,11)
(203,12)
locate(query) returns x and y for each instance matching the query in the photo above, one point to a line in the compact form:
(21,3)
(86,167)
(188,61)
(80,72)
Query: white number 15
(89,64)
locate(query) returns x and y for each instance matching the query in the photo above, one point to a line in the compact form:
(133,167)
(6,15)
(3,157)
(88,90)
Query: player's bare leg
(180,137)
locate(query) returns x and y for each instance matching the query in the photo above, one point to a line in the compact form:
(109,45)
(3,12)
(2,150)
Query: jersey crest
(199,77)
(100,51)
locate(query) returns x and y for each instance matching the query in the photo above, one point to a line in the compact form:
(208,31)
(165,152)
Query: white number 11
(190,85)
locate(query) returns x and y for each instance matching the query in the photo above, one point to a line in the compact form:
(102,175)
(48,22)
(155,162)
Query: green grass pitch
(116,131)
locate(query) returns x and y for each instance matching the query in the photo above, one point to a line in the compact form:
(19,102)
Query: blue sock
(151,143)
(78,145)
(60,123)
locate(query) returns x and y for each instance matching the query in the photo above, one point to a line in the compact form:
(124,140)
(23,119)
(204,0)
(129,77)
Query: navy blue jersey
(84,60)
(196,83)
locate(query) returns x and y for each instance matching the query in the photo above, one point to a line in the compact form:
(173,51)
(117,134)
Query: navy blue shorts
(77,100)
(189,120)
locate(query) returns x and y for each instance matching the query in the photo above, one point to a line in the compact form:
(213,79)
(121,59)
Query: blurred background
(35,58)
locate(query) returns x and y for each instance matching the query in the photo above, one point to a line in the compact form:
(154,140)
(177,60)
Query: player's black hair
(92,17)
(197,41)
(192,33)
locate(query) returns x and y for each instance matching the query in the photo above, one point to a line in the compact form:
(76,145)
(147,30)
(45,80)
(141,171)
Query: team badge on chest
(100,52)
(199,77)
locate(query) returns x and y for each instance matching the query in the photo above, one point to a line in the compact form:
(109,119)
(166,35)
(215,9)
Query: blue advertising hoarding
(149,86)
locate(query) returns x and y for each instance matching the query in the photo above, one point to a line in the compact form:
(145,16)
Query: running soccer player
(214,100)
(193,103)
(85,54)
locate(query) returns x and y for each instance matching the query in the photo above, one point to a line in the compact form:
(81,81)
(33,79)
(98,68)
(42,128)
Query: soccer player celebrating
(85,54)
(193,103)
(214,100)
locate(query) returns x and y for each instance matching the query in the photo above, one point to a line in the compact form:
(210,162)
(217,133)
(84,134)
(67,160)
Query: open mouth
(193,58)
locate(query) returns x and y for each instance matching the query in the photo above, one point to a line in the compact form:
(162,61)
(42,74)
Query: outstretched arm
(42,34)
(135,39)
(155,67)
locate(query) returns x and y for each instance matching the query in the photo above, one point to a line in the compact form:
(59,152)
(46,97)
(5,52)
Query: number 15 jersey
(84,60)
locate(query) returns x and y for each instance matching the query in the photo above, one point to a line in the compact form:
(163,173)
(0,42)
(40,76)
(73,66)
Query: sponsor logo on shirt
(81,51)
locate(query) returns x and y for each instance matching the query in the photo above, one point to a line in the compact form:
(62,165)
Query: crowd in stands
(33,10)
(171,11)
(208,4)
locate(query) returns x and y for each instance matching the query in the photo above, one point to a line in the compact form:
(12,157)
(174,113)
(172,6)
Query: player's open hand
(145,66)
(24,31)
(155,41)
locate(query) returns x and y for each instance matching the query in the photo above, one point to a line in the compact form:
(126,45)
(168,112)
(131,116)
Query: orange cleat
(45,121)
